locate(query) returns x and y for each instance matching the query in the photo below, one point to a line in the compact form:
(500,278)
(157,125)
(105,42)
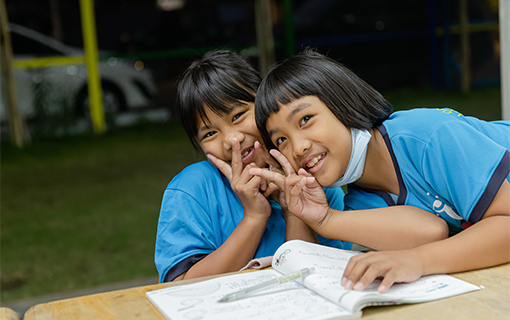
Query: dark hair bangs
(206,85)
(284,83)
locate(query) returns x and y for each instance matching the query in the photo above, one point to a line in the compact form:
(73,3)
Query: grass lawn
(82,211)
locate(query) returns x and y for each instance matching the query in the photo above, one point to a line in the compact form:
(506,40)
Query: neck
(379,172)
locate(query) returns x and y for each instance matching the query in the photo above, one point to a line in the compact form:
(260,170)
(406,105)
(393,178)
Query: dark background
(389,43)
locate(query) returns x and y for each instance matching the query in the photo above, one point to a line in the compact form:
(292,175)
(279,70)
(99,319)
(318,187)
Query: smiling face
(311,137)
(215,134)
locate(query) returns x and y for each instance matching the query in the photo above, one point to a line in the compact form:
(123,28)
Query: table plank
(121,304)
(493,302)
(8,314)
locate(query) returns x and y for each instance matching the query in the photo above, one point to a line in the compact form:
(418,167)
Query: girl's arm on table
(484,244)
(399,227)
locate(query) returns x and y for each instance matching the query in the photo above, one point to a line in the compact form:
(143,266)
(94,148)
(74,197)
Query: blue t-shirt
(446,163)
(198,213)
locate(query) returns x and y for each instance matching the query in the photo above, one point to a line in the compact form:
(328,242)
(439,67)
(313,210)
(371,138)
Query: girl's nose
(300,146)
(227,142)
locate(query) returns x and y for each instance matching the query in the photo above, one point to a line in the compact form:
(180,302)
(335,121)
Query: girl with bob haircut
(330,129)
(215,216)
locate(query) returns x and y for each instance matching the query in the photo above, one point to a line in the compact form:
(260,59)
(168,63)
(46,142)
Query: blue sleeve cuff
(182,267)
(492,189)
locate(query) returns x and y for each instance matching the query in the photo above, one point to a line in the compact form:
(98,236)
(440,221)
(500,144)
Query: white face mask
(360,139)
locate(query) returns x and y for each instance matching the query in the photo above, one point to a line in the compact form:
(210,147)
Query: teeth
(314,161)
(246,153)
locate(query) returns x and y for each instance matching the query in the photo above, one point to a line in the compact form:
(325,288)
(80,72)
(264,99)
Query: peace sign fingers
(231,171)
(237,160)
(287,167)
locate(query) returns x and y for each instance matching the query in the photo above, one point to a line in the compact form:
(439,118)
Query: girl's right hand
(304,196)
(244,184)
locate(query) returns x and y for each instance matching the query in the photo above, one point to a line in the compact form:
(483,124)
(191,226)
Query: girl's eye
(304,120)
(279,141)
(208,134)
(237,116)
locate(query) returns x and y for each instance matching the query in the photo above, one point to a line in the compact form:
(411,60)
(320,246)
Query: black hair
(354,102)
(216,81)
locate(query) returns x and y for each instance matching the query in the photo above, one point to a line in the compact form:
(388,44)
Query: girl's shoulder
(425,116)
(197,175)
(425,122)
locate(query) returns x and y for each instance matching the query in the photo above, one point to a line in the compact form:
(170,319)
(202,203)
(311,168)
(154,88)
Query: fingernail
(382,288)
(348,285)
(343,281)
(310,178)
(358,286)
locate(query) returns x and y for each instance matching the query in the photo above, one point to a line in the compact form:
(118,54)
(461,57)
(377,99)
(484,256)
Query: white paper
(330,263)
(286,301)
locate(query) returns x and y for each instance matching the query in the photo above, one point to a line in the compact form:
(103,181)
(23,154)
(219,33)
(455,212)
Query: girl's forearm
(391,228)
(295,228)
(234,253)
(484,244)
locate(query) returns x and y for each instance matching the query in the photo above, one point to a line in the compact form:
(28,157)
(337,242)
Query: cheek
(214,149)
(288,154)
(249,127)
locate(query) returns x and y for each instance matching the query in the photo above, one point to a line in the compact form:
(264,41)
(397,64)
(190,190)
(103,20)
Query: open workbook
(318,296)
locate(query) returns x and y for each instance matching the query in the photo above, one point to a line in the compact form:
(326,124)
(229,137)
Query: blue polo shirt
(198,213)
(446,163)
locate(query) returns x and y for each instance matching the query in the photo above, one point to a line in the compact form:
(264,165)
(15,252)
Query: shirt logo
(438,206)
(450,111)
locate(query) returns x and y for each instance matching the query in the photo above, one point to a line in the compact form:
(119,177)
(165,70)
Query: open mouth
(315,162)
(247,154)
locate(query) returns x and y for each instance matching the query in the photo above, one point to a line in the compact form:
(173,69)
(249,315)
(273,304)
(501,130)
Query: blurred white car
(126,85)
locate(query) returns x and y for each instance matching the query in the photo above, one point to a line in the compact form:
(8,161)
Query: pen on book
(265,285)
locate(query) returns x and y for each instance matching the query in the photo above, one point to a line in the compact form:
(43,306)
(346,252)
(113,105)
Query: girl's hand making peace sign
(251,190)
(305,198)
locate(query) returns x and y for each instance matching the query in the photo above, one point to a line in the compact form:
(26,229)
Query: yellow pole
(88,23)
(20,135)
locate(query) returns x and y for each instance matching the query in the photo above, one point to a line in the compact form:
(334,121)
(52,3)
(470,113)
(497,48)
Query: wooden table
(493,302)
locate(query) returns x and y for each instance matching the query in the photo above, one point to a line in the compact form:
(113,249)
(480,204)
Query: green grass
(82,211)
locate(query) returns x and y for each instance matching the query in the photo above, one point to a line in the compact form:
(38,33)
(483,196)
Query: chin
(325,182)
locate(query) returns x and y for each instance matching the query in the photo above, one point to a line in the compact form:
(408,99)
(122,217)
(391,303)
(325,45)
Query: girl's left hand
(304,196)
(392,266)
(246,186)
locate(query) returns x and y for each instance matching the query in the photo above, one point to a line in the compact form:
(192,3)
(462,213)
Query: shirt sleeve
(465,168)
(362,199)
(184,230)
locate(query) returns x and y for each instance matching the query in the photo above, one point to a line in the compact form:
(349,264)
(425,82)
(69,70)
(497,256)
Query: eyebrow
(201,128)
(298,108)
